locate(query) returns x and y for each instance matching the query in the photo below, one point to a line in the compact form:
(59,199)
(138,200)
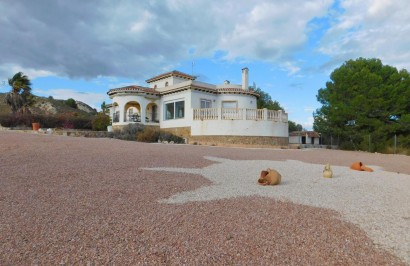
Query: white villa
(198,111)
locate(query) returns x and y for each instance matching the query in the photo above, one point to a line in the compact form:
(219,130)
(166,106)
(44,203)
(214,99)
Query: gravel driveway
(66,200)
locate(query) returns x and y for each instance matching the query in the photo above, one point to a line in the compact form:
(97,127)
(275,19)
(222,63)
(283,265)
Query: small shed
(304,137)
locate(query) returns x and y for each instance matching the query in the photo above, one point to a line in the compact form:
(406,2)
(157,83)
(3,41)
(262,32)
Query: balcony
(240,114)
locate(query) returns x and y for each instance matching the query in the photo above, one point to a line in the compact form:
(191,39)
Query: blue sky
(81,49)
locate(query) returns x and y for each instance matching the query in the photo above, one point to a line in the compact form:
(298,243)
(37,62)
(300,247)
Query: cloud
(308,124)
(92,99)
(136,39)
(309,109)
(370,28)
(10,69)
(290,68)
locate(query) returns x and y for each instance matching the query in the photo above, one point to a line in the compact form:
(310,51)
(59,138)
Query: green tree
(362,98)
(294,127)
(265,101)
(19,98)
(104,107)
(100,122)
(71,102)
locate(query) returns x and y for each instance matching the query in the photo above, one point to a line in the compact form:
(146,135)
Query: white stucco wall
(171,82)
(298,140)
(295,139)
(238,128)
(197,96)
(180,122)
(244,101)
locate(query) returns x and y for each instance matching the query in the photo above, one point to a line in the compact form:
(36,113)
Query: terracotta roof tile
(174,73)
(310,134)
(133,88)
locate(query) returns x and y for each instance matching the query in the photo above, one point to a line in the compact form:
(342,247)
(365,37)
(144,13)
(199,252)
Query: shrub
(347,145)
(149,134)
(166,136)
(129,132)
(100,122)
(46,121)
(16,120)
(68,125)
(71,102)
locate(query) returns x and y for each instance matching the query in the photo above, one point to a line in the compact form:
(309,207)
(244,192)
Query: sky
(81,49)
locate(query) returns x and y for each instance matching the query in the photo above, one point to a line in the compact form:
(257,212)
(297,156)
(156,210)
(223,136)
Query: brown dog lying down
(359,166)
(269,177)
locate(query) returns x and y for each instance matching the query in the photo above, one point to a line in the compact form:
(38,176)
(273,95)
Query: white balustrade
(238,114)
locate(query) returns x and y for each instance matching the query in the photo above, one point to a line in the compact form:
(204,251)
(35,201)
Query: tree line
(366,106)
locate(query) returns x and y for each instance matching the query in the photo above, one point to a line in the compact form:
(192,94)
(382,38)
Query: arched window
(166,84)
(155,86)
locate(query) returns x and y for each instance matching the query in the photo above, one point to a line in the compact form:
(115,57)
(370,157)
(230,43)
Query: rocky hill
(50,106)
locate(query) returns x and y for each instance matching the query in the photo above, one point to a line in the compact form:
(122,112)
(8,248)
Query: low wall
(233,127)
(239,141)
(82,133)
(184,132)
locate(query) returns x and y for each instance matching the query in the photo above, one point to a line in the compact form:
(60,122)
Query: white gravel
(378,202)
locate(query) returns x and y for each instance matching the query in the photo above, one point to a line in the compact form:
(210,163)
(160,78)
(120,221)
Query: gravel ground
(67,200)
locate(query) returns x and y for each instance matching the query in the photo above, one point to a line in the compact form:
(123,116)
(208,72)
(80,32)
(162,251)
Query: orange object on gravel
(359,166)
(269,177)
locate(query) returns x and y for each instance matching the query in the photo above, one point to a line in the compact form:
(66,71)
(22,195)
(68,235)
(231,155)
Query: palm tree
(20,95)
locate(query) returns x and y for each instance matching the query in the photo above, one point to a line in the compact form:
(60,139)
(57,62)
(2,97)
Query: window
(166,84)
(229,104)
(174,110)
(155,86)
(205,103)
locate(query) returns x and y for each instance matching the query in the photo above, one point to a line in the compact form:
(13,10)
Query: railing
(255,114)
(206,114)
(231,114)
(133,118)
(238,114)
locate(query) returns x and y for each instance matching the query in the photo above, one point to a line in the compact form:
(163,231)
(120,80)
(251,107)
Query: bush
(46,121)
(166,136)
(71,102)
(101,122)
(16,120)
(129,132)
(347,145)
(149,134)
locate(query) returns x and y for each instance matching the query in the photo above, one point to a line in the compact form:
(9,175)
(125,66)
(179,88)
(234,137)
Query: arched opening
(115,113)
(132,111)
(166,84)
(152,113)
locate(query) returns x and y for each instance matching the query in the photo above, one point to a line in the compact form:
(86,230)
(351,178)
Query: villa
(198,111)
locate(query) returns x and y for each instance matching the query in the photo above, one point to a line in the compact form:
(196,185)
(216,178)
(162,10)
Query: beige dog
(269,177)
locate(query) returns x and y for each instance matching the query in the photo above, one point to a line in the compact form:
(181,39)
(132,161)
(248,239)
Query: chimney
(245,82)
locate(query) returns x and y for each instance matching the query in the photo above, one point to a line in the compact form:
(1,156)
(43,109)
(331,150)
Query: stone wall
(81,133)
(240,141)
(184,132)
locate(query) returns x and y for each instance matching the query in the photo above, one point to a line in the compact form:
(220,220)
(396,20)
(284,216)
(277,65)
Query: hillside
(50,106)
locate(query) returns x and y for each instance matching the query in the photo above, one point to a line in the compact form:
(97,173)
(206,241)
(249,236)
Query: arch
(132,112)
(166,84)
(152,114)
